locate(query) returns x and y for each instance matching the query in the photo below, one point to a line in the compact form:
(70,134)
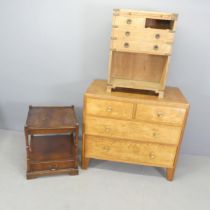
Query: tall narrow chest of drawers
(133,127)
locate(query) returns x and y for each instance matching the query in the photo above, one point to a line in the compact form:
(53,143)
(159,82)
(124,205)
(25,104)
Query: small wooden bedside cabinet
(133,128)
(51,135)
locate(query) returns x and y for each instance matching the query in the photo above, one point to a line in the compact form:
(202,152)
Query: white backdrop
(50,51)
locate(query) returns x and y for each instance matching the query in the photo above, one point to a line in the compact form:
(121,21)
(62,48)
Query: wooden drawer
(140,131)
(146,35)
(171,115)
(130,22)
(129,151)
(141,47)
(52,166)
(108,108)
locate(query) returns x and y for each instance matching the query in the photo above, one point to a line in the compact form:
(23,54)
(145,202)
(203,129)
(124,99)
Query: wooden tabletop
(51,117)
(172,95)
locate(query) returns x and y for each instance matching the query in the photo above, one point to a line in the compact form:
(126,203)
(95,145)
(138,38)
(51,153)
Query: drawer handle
(154,134)
(106,148)
(127,33)
(107,130)
(155,47)
(159,114)
(129,21)
(157,36)
(152,155)
(109,109)
(53,167)
(126,45)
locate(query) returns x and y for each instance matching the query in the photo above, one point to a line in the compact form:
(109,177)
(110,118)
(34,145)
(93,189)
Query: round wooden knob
(157,36)
(127,33)
(154,134)
(126,45)
(159,114)
(106,148)
(53,167)
(152,155)
(129,21)
(155,47)
(109,109)
(107,130)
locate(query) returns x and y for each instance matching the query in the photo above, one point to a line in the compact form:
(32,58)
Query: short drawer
(108,108)
(126,21)
(171,115)
(52,166)
(146,35)
(141,47)
(129,151)
(140,131)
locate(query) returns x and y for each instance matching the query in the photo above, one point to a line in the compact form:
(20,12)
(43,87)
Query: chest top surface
(51,117)
(173,96)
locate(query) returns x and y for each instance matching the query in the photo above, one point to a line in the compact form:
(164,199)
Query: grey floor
(104,186)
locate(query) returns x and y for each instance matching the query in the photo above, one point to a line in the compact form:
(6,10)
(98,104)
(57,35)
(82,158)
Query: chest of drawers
(132,127)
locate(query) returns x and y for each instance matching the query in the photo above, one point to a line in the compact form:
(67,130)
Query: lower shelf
(52,148)
(52,154)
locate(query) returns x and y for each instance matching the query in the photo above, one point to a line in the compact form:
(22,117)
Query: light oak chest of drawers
(132,127)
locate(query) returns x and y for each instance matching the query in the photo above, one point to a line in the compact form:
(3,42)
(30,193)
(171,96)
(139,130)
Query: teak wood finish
(140,50)
(51,135)
(133,128)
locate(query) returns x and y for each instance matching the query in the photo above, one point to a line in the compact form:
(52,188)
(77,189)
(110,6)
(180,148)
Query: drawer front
(141,46)
(130,22)
(139,131)
(52,166)
(163,114)
(146,35)
(107,108)
(129,151)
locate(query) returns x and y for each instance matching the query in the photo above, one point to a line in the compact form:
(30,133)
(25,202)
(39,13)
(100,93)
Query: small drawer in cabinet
(108,108)
(52,166)
(146,35)
(141,47)
(126,21)
(129,151)
(164,114)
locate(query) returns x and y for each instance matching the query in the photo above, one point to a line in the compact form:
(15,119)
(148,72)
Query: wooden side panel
(140,131)
(130,151)
(108,108)
(164,114)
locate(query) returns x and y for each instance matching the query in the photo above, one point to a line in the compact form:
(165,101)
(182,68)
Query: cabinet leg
(170,174)
(109,89)
(29,176)
(85,163)
(161,94)
(74,172)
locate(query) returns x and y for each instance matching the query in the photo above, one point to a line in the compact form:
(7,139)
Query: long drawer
(52,166)
(141,131)
(141,47)
(108,108)
(129,151)
(146,35)
(153,113)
